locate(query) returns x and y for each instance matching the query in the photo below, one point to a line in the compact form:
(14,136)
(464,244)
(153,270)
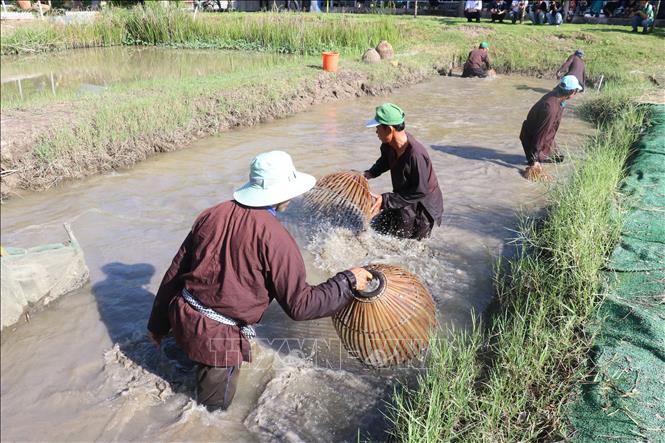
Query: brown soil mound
(371,56)
(385,50)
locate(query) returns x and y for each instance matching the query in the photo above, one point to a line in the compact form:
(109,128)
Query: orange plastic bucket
(330,60)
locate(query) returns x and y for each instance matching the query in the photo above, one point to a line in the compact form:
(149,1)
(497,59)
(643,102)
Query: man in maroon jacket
(541,125)
(478,63)
(236,259)
(574,65)
(416,203)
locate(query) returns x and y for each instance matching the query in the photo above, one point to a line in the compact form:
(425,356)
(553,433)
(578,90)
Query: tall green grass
(518,372)
(118,127)
(437,409)
(172,26)
(611,52)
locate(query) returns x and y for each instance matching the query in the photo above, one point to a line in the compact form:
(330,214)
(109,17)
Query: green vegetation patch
(173,26)
(534,348)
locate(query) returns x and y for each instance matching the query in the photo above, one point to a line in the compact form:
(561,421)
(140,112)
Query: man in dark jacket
(538,12)
(542,124)
(574,65)
(416,203)
(236,259)
(478,63)
(498,10)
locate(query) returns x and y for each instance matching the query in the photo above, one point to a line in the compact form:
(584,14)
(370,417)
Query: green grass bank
(512,379)
(611,51)
(72,137)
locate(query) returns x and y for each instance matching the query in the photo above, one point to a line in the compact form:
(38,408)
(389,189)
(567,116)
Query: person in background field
(581,7)
(498,9)
(538,11)
(596,7)
(631,7)
(611,7)
(235,260)
(541,125)
(644,17)
(554,16)
(517,10)
(574,65)
(416,203)
(478,63)
(472,9)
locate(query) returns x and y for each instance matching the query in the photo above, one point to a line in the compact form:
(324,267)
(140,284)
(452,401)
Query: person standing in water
(236,259)
(574,65)
(478,63)
(541,125)
(416,203)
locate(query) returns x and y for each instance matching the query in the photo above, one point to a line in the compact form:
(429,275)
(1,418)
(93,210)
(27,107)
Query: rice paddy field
(513,375)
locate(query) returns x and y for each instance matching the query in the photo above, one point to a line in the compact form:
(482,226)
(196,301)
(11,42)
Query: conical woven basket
(391,324)
(342,194)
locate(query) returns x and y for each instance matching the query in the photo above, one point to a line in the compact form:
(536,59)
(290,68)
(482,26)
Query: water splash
(336,248)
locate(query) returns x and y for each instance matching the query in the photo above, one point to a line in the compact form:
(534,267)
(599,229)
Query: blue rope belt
(245,330)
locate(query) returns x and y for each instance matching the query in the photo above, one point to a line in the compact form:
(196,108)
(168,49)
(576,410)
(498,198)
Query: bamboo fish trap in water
(341,195)
(391,323)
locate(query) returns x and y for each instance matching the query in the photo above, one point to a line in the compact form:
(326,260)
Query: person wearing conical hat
(574,65)
(235,260)
(542,123)
(416,203)
(478,63)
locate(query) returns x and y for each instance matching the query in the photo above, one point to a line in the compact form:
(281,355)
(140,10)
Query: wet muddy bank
(24,133)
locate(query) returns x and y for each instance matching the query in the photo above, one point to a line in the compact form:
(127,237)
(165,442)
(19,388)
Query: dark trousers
(532,155)
(529,150)
(474,72)
(610,7)
(215,386)
(517,15)
(410,222)
(499,17)
(471,15)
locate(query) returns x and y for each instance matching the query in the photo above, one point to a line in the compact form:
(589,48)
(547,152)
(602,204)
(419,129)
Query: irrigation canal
(70,73)
(84,370)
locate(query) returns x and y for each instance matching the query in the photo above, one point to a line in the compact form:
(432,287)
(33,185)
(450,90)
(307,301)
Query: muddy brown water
(84,370)
(82,71)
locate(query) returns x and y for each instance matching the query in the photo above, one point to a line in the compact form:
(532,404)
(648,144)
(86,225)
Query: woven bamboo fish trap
(341,195)
(391,324)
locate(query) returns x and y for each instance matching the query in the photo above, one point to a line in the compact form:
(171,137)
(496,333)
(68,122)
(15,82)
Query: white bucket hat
(272,179)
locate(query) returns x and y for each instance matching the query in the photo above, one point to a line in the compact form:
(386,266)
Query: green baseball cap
(387,114)
(484,45)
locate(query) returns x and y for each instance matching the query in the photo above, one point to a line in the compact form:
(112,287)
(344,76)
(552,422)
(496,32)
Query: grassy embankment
(511,380)
(128,122)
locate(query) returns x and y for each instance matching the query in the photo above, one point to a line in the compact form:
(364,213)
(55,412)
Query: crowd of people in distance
(539,13)
(552,12)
